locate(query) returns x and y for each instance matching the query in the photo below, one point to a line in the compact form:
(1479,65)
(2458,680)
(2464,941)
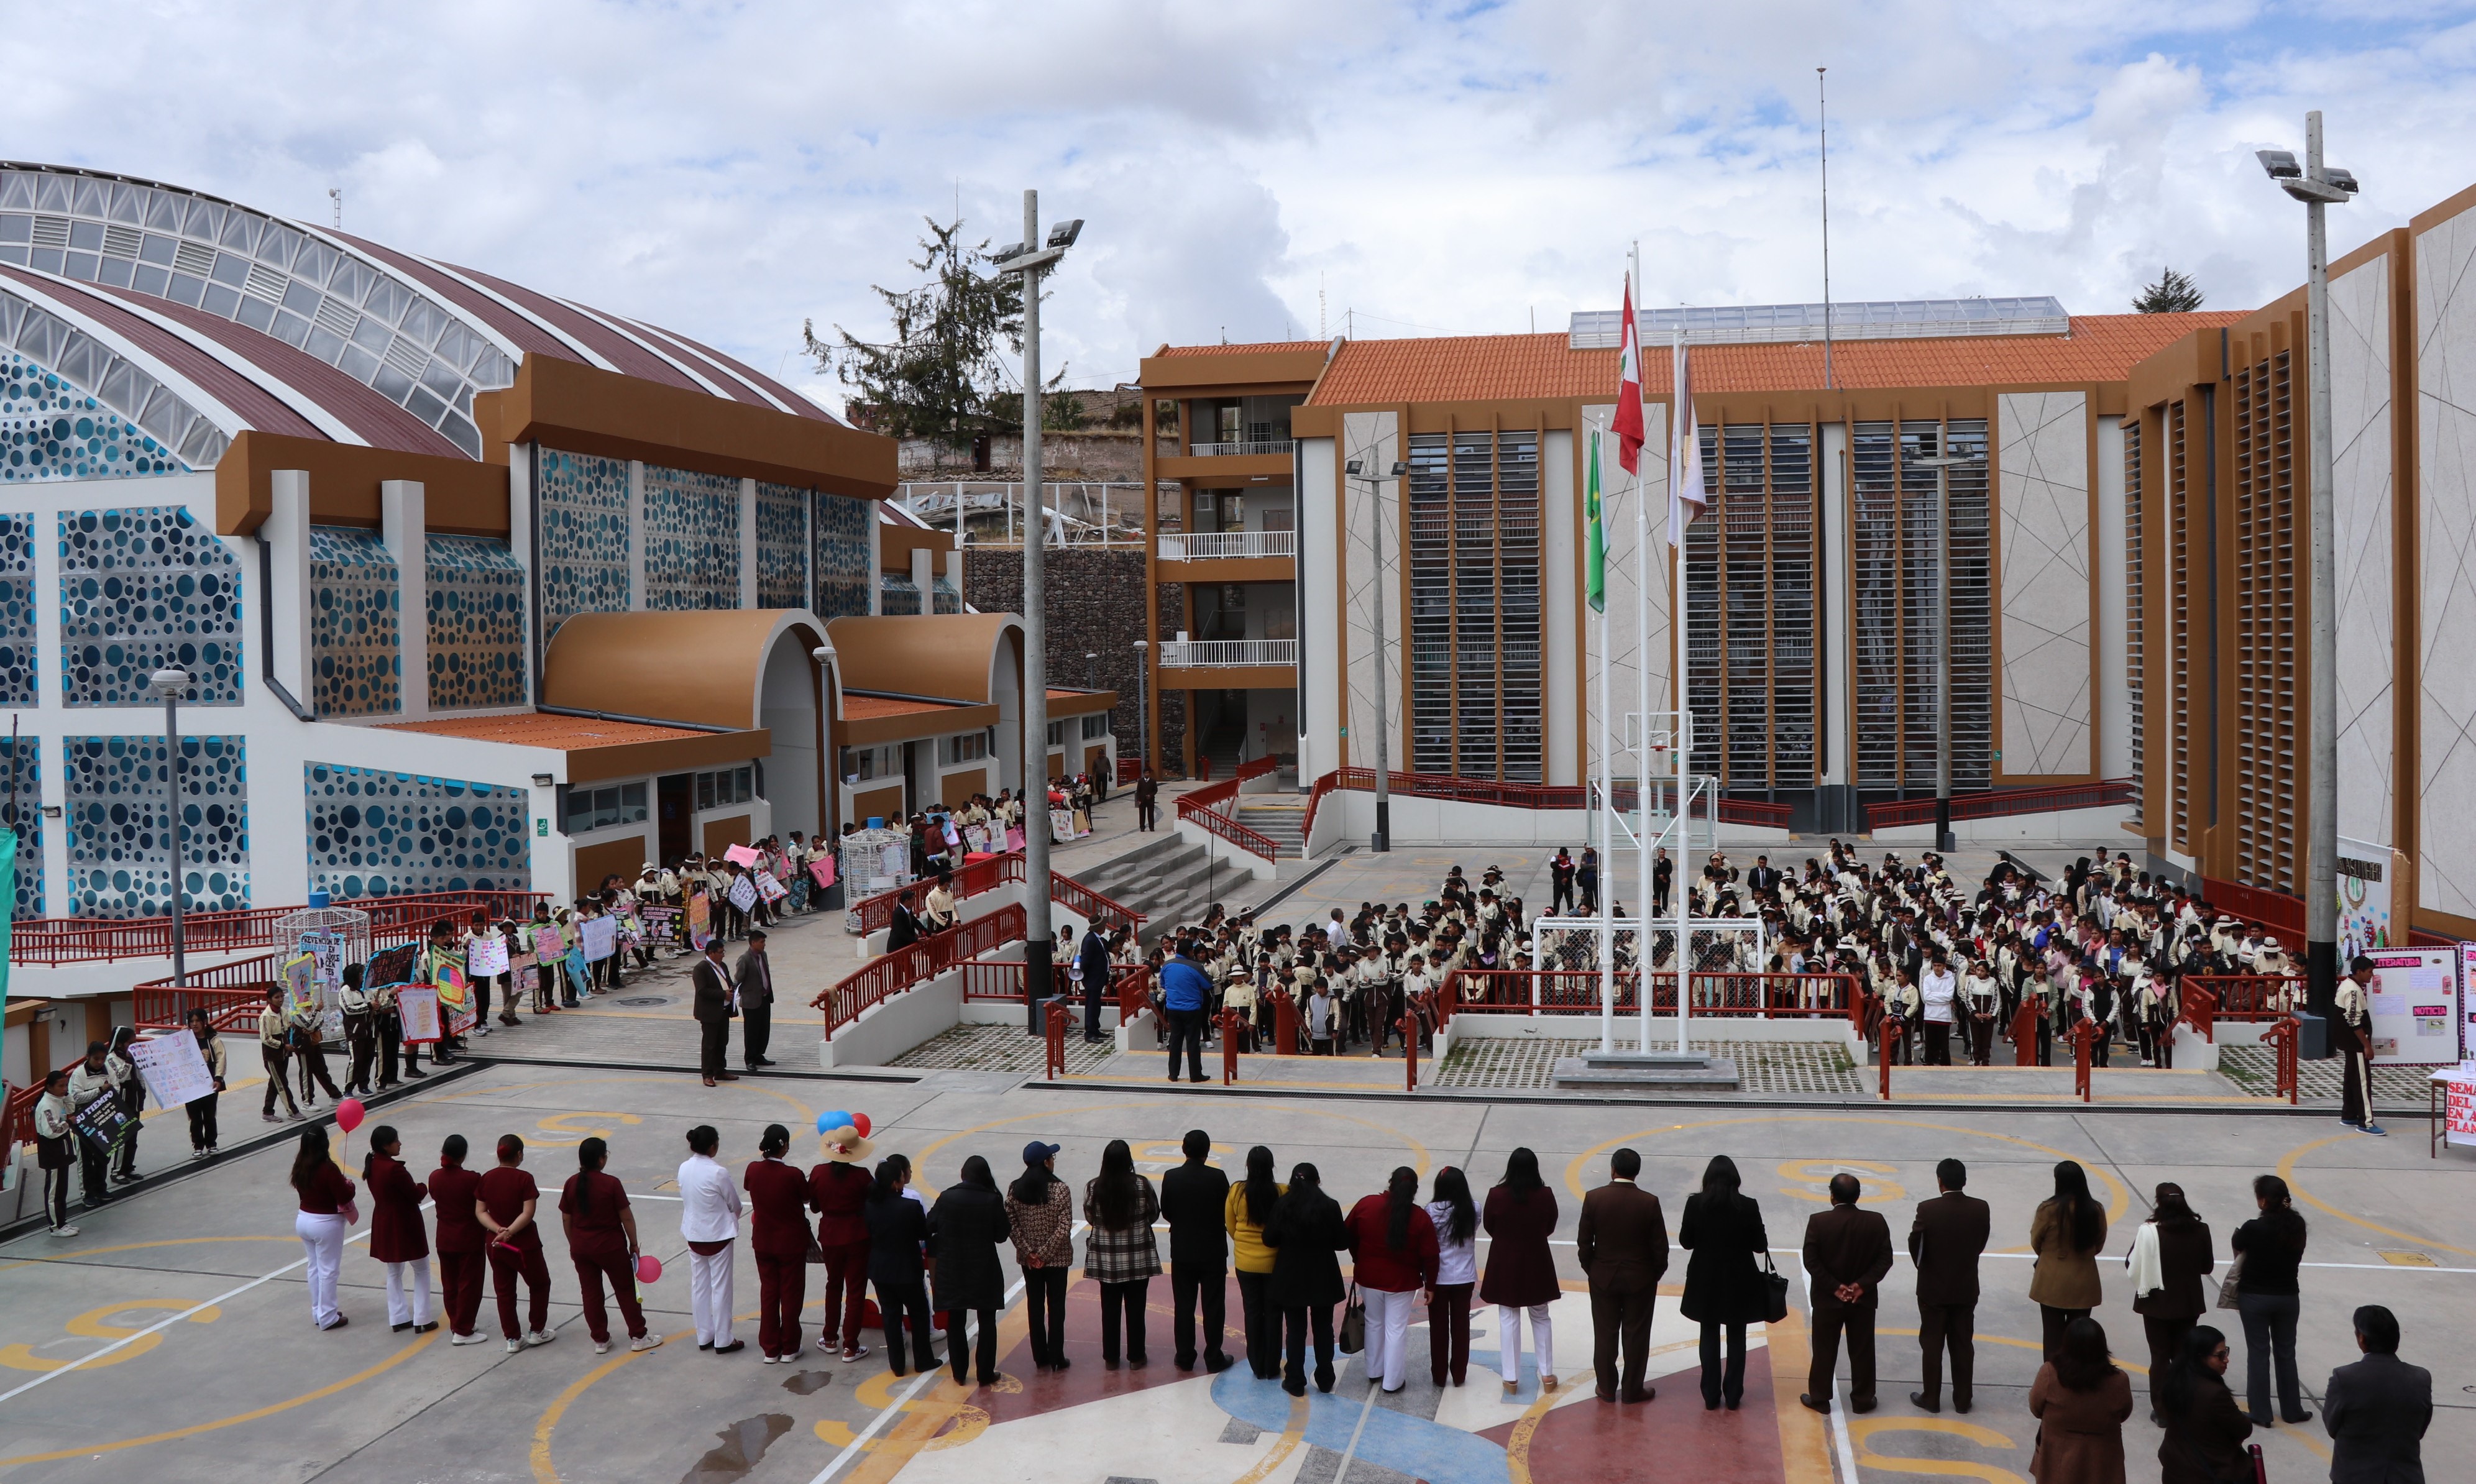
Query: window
(603,808)
(897,594)
(1894,543)
(970,747)
(860,764)
(1750,628)
(1057,733)
(1097,724)
(725,787)
(1474,616)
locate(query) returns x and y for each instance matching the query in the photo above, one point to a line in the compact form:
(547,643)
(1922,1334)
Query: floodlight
(2280,163)
(1064,234)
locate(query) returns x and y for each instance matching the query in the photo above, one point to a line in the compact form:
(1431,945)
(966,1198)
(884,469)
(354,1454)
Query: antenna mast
(1822,119)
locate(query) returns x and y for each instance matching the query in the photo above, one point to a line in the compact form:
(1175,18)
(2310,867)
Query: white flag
(1685,498)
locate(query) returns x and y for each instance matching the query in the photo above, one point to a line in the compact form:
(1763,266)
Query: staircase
(1170,882)
(1224,750)
(1279,818)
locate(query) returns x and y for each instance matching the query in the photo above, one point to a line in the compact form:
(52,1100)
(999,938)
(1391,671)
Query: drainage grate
(643,1002)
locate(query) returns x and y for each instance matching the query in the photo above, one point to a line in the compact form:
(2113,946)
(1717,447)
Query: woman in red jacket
(837,1189)
(1519,1217)
(777,1200)
(1393,1245)
(326,1209)
(396,1235)
(601,1242)
(453,1191)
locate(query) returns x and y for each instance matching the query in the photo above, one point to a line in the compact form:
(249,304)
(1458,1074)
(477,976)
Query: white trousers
(1388,1334)
(322,1243)
(710,1295)
(1508,1341)
(416,1311)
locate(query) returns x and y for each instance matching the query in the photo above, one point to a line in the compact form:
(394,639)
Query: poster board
(487,956)
(769,889)
(2363,899)
(743,891)
(99,1122)
(389,967)
(661,923)
(700,920)
(822,872)
(299,977)
(173,1067)
(455,998)
(742,856)
(417,1006)
(2414,1004)
(600,938)
(2466,1000)
(2458,1105)
(550,945)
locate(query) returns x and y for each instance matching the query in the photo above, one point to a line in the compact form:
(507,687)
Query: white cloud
(729,170)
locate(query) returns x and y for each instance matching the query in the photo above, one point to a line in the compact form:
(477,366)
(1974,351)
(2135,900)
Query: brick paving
(999,1049)
(2252,1069)
(1763,1065)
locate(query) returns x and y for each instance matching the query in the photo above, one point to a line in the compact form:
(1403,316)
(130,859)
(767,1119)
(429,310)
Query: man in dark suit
(755,981)
(2378,1408)
(1764,878)
(711,979)
(1622,1245)
(1945,1242)
(1847,1253)
(1192,1199)
(1146,800)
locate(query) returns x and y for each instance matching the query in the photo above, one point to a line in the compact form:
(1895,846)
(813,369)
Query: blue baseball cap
(1035,1151)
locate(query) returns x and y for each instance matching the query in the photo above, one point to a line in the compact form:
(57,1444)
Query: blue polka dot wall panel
(354,593)
(842,557)
(477,623)
(53,429)
(691,539)
(17,664)
(141,588)
(114,791)
(374,833)
(21,766)
(782,546)
(581,502)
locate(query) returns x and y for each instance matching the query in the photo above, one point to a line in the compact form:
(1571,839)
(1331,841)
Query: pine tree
(2175,293)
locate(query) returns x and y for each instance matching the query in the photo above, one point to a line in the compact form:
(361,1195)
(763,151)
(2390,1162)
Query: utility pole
(1822,121)
(1382,840)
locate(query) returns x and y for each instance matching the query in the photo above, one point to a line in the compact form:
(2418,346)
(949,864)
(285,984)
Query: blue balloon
(832,1118)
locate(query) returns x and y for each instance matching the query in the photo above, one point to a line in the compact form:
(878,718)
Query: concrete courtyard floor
(154,1345)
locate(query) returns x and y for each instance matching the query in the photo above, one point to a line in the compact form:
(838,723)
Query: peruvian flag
(1628,423)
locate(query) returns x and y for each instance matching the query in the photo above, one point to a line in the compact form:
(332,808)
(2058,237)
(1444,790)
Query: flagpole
(1679,421)
(1607,836)
(1642,696)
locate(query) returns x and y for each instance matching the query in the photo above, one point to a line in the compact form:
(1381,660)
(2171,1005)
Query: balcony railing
(1241,450)
(1213,545)
(1226,653)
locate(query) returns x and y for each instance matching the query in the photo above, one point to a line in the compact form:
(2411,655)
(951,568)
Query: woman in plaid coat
(1119,1253)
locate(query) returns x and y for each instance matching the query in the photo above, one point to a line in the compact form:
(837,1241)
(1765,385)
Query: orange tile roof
(541,728)
(1259,348)
(1488,368)
(870,708)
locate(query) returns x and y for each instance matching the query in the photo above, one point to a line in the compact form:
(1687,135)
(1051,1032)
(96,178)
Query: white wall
(2109,655)
(1320,646)
(2044,513)
(2445,432)
(2359,419)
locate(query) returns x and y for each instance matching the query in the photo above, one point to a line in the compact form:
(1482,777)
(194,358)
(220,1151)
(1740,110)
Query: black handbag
(1353,1325)
(1774,1291)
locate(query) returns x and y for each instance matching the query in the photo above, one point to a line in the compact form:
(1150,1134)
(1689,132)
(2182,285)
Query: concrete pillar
(286,535)
(520,537)
(748,543)
(404,524)
(875,562)
(923,575)
(635,536)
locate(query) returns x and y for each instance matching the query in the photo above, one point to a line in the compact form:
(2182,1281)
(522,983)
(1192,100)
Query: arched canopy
(705,667)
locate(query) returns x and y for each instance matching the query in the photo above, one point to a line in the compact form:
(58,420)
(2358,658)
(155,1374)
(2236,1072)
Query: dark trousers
(1146,815)
(1726,1381)
(1092,1030)
(279,1083)
(459,1279)
(615,1267)
(1590,889)
(845,1294)
(2166,1335)
(506,1268)
(1188,1286)
(202,1121)
(987,1348)
(2269,1334)
(364,1048)
(1122,1305)
(1260,1320)
(1621,1318)
(56,1188)
(1560,897)
(1938,1044)
(93,1171)
(312,1066)
(482,1000)
(1449,1333)
(713,1057)
(1297,1321)
(2355,1081)
(1829,1324)
(1952,1326)
(1186,1029)
(756,1032)
(2051,1325)
(1981,1041)
(1044,1309)
(781,1287)
(895,1305)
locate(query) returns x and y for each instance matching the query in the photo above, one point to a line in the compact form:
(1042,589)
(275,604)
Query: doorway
(674,805)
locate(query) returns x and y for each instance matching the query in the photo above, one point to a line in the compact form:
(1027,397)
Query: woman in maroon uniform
(836,1190)
(601,1242)
(453,1191)
(777,1196)
(508,1200)
(396,1235)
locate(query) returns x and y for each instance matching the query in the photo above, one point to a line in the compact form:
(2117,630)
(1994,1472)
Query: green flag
(1594,579)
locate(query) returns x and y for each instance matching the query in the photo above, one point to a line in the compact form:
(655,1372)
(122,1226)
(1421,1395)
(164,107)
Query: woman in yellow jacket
(2067,1233)
(1248,1207)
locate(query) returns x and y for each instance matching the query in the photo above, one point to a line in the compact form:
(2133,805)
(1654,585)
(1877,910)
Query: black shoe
(400,1328)
(1919,1399)
(1216,1363)
(1810,1404)
(1295,1388)
(1185,1362)
(1198,1079)
(1108,1362)
(1060,1363)
(733,1349)
(1861,1403)
(414,1072)
(2299,1420)
(1324,1378)
(1959,1405)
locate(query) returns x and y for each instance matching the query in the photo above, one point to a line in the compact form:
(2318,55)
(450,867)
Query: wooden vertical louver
(1475,679)
(2181,597)
(1750,612)
(2266,622)
(2136,614)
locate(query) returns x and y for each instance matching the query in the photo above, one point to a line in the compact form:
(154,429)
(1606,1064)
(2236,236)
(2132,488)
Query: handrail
(854,994)
(2001,802)
(2247,996)
(1719,993)
(984,875)
(1270,762)
(2283,1075)
(1758,812)
(1225,545)
(59,940)
(1199,806)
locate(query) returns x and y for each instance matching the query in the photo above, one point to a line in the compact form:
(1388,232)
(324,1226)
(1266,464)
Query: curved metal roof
(195,317)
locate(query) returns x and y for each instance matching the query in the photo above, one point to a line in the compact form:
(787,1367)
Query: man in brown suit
(1623,1245)
(1847,1253)
(1945,1242)
(711,979)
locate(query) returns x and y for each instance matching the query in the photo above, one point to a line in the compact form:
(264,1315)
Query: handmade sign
(391,966)
(821,871)
(455,998)
(417,1006)
(100,1123)
(700,920)
(1014,837)
(328,949)
(600,938)
(487,956)
(173,1067)
(299,977)
(743,891)
(769,889)
(661,923)
(742,856)
(549,946)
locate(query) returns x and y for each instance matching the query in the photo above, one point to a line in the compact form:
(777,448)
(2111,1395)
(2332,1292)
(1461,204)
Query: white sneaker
(643,1343)
(514,1345)
(65,1232)
(540,1337)
(475,1338)
(601,1347)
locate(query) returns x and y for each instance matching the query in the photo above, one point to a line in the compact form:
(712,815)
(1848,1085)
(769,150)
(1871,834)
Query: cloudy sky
(1278,168)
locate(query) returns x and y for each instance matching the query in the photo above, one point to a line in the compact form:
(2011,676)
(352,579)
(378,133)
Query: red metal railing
(2284,1077)
(59,940)
(1129,770)
(2283,915)
(2243,997)
(1268,763)
(1134,990)
(983,875)
(1576,992)
(232,993)
(2001,802)
(848,1000)
(1201,807)
(1529,796)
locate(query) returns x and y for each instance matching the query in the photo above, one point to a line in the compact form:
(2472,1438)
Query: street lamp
(1091,671)
(1383,841)
(1943,464)
(1143,718)
(168,683)
(2320,185)
(1034,264)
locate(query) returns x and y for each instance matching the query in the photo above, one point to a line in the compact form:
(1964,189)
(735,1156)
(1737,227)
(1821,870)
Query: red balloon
(649,1268)
(859,1121)
(348,1114)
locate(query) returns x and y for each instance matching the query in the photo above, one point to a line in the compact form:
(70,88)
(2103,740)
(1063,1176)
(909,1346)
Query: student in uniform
(325,1194)
(601,1242)
(90,1083)
(203,1136)
(360,1031)
(302,1029)
(777,1201)
(453,1193)
(396,1235)
(508,1196)
(53,1137)
(129,1096)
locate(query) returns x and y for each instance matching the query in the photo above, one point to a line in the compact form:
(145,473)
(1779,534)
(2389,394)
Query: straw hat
(844,1146)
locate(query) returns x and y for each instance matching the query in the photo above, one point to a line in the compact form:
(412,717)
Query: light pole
(1143,718)
(1033,259)
(168,683)
(1383,840)
(1091,670)
(1943,464)
(2320,185)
